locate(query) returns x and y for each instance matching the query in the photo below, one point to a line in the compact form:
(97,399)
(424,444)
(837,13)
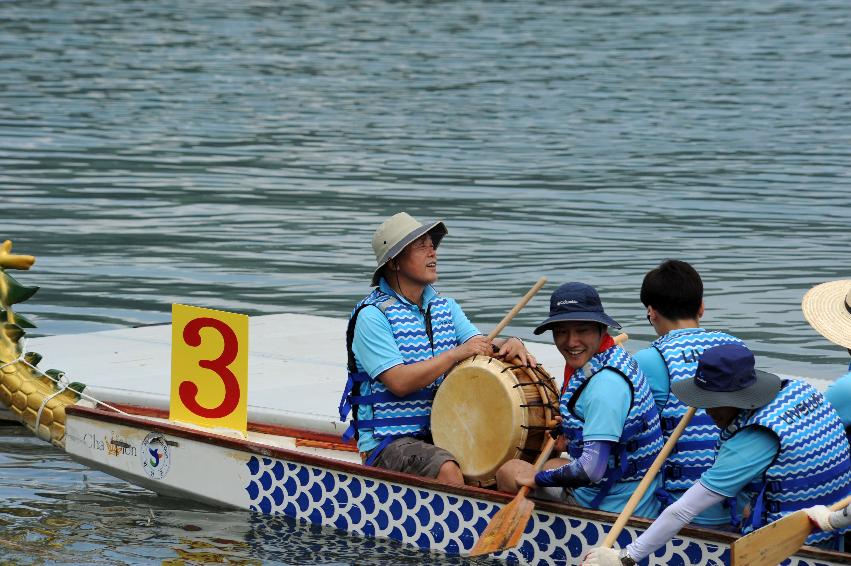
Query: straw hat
(397,232)
(827,307)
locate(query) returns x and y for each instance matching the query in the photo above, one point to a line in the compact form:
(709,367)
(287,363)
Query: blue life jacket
(394,416)
(694,452)
(813,465)
(641,439)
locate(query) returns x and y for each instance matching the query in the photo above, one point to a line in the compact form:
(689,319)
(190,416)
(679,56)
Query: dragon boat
(291,461)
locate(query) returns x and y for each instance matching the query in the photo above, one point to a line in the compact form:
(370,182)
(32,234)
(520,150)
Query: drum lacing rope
(62,382)
(535,427)
(544,380)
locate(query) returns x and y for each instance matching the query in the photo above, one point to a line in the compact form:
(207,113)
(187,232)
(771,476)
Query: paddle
(616,529)
(520,304)
(507,526)
(775,542)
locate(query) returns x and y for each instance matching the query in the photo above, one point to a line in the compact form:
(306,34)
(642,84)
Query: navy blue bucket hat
(726,377)
(575,302)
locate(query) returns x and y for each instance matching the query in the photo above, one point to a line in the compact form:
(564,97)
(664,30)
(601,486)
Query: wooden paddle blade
(773,543)
(505,528)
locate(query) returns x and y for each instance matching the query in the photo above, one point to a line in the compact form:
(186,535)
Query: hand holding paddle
(639,492)
(775,542)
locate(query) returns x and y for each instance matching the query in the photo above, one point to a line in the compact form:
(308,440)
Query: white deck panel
(296,367)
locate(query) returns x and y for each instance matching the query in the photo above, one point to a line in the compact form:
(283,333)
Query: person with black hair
(672,293)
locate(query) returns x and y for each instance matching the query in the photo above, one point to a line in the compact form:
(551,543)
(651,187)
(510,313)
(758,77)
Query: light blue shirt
(839,395)
(606,401)
(376,350)
(656,371)
(741,460)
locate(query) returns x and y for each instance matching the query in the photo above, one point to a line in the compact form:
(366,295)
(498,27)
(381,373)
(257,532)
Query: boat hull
(233,472)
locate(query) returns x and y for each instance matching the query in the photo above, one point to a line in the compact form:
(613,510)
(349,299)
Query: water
(239,156)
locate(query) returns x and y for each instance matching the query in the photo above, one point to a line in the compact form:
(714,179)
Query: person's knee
(506,476)
(450,472)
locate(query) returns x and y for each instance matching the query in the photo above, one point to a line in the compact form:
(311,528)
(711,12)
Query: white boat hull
(226,470)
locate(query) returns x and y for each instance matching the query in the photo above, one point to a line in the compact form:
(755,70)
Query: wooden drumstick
(522,303)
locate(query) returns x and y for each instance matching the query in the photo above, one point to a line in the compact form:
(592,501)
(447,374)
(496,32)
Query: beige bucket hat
(827,307)
(397,232)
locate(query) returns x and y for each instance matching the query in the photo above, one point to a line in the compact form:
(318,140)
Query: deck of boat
(296,367)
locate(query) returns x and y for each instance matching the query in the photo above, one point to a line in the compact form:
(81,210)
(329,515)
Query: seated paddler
(402,339)
(610,424)
(827,307)
(781,444)
(672,293)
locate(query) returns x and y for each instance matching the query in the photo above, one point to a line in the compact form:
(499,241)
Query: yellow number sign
(209,367)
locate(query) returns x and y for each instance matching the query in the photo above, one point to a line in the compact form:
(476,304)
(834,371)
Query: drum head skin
(478,416)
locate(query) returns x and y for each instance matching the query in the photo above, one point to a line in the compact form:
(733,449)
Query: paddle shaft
(840,504)
(647,480)
(539,464)
(522,303)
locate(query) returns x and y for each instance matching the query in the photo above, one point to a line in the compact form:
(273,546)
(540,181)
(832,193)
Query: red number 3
(189,391)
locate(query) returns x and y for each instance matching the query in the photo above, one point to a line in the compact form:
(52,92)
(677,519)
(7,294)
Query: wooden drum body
(487,412)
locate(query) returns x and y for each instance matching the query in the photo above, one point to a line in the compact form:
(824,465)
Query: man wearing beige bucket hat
(827,307)
(400,349)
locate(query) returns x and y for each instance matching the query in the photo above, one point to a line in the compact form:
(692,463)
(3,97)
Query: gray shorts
(413,456)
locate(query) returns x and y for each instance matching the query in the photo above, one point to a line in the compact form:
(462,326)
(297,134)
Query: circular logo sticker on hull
(155,456)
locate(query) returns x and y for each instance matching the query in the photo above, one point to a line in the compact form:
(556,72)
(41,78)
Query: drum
(487,412)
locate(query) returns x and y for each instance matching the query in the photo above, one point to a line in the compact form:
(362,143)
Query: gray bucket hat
(396,233)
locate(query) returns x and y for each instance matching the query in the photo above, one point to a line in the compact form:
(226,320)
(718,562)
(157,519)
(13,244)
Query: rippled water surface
(240,155)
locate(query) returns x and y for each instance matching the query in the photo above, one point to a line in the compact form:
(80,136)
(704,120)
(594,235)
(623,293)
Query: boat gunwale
(245,445)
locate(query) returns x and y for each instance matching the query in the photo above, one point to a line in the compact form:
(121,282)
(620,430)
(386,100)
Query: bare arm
(405,379)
